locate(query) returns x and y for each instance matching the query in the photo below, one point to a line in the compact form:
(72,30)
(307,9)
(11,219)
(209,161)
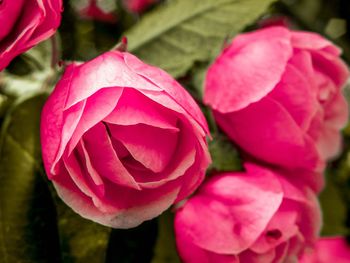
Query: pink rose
(122,140)
(93,11)
(25,23)
(255,216)
(328,250)
(277,94)
(138,6)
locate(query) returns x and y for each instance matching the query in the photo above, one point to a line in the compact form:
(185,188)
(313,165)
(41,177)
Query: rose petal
(242,217)
(257,126)
(51,18)
(190,253)
(107,70)
(153,149)
(165,82)
(182,161)
(134,108)
(105,159)
(52,118)
(280,229)
(9,12)
(71,119)
(106,100)
(296,96)
(331,66)
(329,249)
(313,41)
(248,70)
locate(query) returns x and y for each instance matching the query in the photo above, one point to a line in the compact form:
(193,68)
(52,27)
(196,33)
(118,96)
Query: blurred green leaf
(333,208)
(30,72)
(181,32)
(4,104)
(81,240)
(133,245)
(225,156)
(28,226)
(165,250)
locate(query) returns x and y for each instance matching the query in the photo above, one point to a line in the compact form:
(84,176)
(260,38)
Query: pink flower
(328,250)
(25,23)
(255,216)
(277,94)
(93,11)
(122,140)
(138,6)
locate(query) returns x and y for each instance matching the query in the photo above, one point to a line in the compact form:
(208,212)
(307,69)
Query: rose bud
(25,23)
(93,10)
(330,249)
(277,94)
(138,6)
(255,216)
(122,140)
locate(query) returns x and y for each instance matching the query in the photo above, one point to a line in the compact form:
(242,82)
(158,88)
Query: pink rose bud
(138,6)
(329,250)
(255,216)
(122,140)
(277,95)
(25,23)
(93,11)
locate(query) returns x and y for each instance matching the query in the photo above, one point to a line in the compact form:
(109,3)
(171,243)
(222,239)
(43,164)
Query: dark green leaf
(224,155)
(165,250)
(333,208)
(181,32)
(81,240)
(133,245)
(28,226)
(37,71)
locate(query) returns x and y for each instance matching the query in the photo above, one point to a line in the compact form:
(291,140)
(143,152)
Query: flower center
(274,234)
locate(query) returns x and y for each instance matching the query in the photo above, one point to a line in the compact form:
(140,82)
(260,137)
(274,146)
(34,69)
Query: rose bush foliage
(122,140)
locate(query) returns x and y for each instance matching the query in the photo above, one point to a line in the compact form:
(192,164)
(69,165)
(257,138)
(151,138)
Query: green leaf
(4,104)
(28,226)
(165,250)
(333,208)
(177,34)
(225,156)
(81,240)
(132,245)
(31,72)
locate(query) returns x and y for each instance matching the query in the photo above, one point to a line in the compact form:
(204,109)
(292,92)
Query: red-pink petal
(248,69)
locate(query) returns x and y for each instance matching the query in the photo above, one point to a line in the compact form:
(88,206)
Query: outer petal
(191,253)
(52,118)
(9,12)
(266,130)
(165,82)
(313,41)
(296,95)
(230,219)
(331,249)
(248,69)
(107,70)
(38,21)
